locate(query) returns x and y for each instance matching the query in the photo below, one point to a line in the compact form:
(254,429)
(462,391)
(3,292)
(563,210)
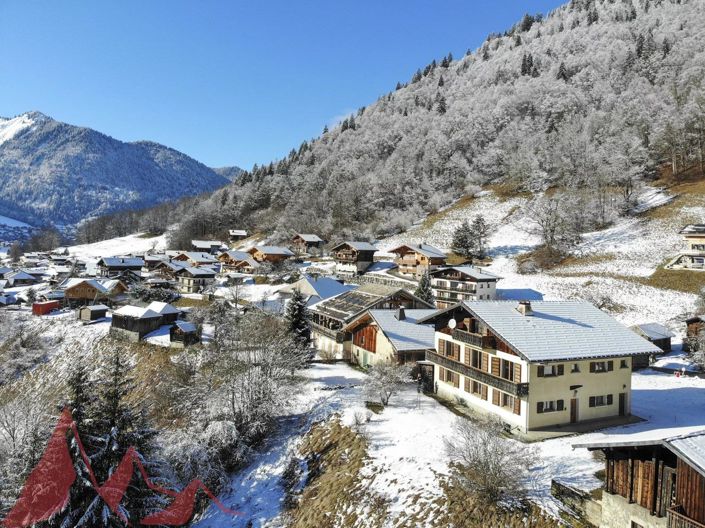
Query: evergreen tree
(441,82)
(441,105)
(298,318)
(562,73)
(462,240)
(479,232)
(423,290)
(31,296)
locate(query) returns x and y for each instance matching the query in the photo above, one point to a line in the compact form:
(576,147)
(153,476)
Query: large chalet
(418,259)
(305,243)
(536,364)
(693,257)
(653,479)
(454,284)
(353,258)
(116,266)
(271,254)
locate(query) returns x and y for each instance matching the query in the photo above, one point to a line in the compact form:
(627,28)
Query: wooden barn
(93,312)
(133,323)
(353,258)
(653,482)
(183,334)
(658,334)
(306,243)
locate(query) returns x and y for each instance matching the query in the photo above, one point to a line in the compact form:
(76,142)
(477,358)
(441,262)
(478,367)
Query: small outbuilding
(658,334)
(183,334)
(92,313)
(45,307)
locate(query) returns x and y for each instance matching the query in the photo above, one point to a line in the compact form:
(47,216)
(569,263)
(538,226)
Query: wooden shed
(93,312)
(44,307)
(183,334)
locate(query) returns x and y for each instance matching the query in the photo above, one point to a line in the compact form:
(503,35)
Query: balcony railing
(465,288)
(474,339)
(677,519)
(338,335)
(515,389)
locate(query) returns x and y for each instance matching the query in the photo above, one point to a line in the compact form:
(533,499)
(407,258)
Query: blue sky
(227,82)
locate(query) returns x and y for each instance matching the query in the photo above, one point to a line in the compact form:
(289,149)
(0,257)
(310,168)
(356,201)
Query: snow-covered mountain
(53,171)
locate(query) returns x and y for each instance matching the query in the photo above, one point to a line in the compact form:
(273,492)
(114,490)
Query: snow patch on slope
(9,128)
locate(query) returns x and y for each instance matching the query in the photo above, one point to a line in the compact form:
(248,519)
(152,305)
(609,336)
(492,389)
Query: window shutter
(483,362)
(495,366)
(609,399)
(610,366)
(559,405)
(517,406)
(592,366)
(592,401)
(468,388)
(560,369)
(539,372)
(456,380)
(539,407)
(456,351)
(484,392)
(517,373)
(495,397)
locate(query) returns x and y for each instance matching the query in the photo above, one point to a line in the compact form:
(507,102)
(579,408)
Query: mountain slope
(594,98)
(53,171)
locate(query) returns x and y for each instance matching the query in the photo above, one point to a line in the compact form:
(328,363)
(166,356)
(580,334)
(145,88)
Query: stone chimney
(401,314)
(524,308)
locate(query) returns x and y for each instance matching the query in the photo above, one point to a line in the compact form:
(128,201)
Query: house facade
(132,323)
(390,337)
(454,284)
(271,254)
(303,243)
(330,317)
(534,365)
(114,266)
(416,260)
(86,291)
(653,481)
(693,257)
(240,261)
(353,258)
(194,280)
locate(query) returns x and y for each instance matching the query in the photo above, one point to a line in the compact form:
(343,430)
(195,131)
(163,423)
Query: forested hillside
(595,98)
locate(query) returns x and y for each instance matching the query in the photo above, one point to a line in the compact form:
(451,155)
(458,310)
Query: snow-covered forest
(595,98)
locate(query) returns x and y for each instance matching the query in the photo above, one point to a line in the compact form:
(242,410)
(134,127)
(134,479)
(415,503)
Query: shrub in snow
(384,380)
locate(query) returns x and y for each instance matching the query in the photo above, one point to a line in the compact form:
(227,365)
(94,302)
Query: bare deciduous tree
(384,380)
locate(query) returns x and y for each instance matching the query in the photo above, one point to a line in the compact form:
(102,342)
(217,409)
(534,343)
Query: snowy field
(131,244)
(11,222)
(406,444)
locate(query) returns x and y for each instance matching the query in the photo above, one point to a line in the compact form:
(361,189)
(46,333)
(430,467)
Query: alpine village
(509,332)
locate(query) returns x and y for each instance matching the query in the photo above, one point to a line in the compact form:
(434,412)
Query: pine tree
(562,73)
(479,232)
(423,290)
(298,318)
(462,242)
(441,105)
(441,82)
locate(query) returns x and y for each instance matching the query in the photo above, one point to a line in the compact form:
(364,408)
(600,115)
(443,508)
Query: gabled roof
(273,250)
(95,308)
(405,335)
(358,246)
(163,308)
(348,305)
(237,232)
(471,271)
(693,229)
(655,331)
(557,330)
(20,275)
(185,326)
(172,265)
(103,286)
(4,271)
(198,272)
(198,256)
(121,262)
(236,255)
(206,243)
(321,287)
(423,249)
(684,443)
(136,312)
(155,258)
(309,237)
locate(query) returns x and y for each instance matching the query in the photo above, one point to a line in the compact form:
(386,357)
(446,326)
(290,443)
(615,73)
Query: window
(549,406)
(476,359)
(546,371)
(575,368)
(507,401)
(601,366)
(623,364)
(476,388)
(506,369)
(449,349)
(601,401)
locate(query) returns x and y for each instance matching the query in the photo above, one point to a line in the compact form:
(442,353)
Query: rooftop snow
(310,238)
(136,312)
(559,330)
(359,246)
(471,271)
(655,331)
(423,249)
(405,334)
(274,250)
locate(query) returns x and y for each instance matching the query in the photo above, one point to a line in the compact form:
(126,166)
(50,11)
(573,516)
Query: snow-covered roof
(96,308)
(237,232)
(197,256)
(309,237)
(655,331)
(274,250)
(206,243)
(693,229)
(321,287)
(103,286)
(405,334)
(423,249)
(199,272)
(4,271)
(558,330)
(688,445)
(122,262)
(472,272)
(162,308)
(8,298)
(137,312)
(237,255)
(359,246)
(20,275)
(185,326)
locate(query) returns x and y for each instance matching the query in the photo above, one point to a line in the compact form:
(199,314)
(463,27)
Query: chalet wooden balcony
(338,335)
(677,519)
(515,389)
(474,339)
(464,288)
